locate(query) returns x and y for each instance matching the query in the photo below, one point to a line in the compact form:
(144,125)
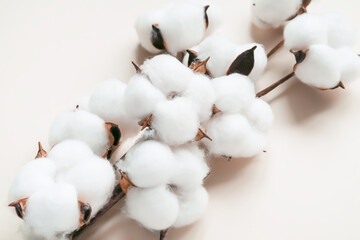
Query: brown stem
(276,48)
(275,85)
(117,195)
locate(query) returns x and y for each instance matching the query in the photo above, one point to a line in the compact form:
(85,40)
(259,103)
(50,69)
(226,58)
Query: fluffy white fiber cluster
(326,44)
(176,26)
(54,186)
(223,52)
(168,182)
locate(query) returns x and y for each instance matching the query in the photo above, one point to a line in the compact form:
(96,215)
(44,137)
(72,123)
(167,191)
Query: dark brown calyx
(299,57)
(340,85)
(215,110)
(244,63)
(114,135)
(41,152)
(163,234)
(201,134)
(137,68)
(20,207)
(192,57)
(200,66)
(157,38)
(85,213)
(206,16)
(125,182)
(306,3)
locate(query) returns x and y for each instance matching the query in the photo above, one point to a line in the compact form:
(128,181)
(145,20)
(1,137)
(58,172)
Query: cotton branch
(275,85)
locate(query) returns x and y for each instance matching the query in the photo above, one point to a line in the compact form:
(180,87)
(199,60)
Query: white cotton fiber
(141,97)
(80,125)
(68,153)
(167,74)
(155,208)
(260,114)
(201,93)
(233,92)
(149,163)
(269,13)
(233,136)
(94,181)
(349,63)
(340,31)
(320,68)
(191,167)
(175,121)
(52,210)
(33,176)
(83,103)
(305,30)
(193,205)
(214,14)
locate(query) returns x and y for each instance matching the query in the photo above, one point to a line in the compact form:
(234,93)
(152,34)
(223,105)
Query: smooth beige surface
(307,184)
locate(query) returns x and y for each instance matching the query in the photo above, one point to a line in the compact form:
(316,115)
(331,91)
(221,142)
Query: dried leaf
(41,152)
(192,57)
(125,182)
(201,134)
(20,207)
(200,67)
(244,63)
(206,16)
(114,135)
(157,38)
(137,68)
(85,213)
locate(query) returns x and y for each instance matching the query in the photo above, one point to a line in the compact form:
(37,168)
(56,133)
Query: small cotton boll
(349,63)
(155,208)
(167,73)
(202,95)
(175,121)
(33,176)
(214,14)
(305,30)
(52,210)
(68,153)
(320,68)
(233,136)
(83,103)
(93,180)
(191,167)
(260,115)
(233,93)
(83,126)
(274,13)
(193,205)
(340,31)
(141,97)
(149,163)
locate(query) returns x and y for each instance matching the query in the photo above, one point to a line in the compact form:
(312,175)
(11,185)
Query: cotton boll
(202,95)
(93,180)
(349,63)
(155,208)
(68,153)
(214,14)
(233,136)
(33,176)
(175,121)
(52,210)
(260,115)
(149,163)
(320,68)
(167,74)
(83,126)
(193,205)
(141,97)
(305,30)
(191,167)
(233,93)
(274,13)
(340,31)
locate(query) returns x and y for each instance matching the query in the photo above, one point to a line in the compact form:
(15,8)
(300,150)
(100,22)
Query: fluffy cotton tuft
(94,181)
(33,176)
(155,208)
(52,210)
(175,121)
(83,126)
(167,74)
(193,205)
(260,115)
(233,136)
(349,63)
(340,31)
(191,167)
(141,97)
(201,93)
(233,93)
(320,68)
(148,164)
(269,13)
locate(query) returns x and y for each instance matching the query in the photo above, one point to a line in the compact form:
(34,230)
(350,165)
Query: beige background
(306,186)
